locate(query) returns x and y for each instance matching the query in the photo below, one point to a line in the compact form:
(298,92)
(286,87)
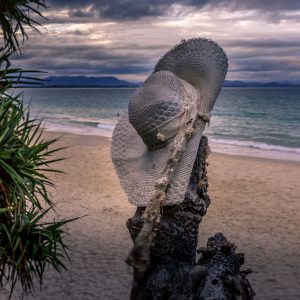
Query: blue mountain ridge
(111,81)
(74,81)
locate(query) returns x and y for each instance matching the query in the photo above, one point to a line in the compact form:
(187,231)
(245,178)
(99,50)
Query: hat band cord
(166,131)
(139,257)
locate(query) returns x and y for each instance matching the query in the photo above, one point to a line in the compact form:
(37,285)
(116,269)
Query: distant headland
(114,82)
(83,81)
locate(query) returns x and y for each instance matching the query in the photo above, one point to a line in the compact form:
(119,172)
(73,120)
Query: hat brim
(200,62)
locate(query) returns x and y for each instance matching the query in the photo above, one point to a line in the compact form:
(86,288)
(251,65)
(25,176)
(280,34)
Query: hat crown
(160,99)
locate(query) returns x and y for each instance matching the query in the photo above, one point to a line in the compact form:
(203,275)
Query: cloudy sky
(125,38)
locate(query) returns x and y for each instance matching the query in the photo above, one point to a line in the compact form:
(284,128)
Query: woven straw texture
(196,64)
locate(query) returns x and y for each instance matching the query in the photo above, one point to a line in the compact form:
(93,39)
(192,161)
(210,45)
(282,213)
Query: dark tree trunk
(173,273)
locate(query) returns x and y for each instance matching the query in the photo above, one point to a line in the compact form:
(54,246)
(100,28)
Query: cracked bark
(174,273)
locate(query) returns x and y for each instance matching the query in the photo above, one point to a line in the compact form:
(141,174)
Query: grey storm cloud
(125,38)
(265,65)
(70,59)
(136,9)
(256,57)
(267,43)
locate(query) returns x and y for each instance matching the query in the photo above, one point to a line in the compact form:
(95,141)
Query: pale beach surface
(255,203)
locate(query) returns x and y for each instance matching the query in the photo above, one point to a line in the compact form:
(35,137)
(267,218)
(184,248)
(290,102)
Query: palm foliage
(28,243)
(15,15)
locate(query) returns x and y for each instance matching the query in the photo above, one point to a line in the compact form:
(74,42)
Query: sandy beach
(255,203)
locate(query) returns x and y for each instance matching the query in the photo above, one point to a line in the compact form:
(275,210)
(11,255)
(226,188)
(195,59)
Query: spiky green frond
(27,243)
(15,15)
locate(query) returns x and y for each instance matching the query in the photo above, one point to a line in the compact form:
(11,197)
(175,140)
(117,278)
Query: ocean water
(263,122)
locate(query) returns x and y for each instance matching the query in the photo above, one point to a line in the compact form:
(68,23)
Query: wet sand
(255,203)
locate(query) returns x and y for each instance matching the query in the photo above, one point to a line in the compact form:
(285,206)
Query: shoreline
(214,151)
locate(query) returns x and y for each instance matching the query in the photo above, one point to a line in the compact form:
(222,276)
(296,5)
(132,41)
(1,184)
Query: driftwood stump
(174,273)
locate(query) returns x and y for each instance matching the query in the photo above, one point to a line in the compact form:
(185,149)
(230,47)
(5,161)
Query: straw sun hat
(189,77)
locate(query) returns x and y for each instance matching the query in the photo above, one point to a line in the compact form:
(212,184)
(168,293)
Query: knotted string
(140,255)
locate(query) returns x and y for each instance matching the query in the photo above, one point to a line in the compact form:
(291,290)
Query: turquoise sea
(262,122)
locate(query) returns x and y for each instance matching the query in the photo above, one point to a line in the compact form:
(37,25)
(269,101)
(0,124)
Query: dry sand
(255,203)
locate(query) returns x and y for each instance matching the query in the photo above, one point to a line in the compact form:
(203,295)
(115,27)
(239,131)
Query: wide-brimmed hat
(190,75)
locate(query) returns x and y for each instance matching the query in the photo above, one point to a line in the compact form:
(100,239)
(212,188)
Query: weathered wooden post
(173,273)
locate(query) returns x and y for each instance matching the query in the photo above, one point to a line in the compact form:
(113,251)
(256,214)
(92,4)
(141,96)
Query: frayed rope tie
(204,117)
